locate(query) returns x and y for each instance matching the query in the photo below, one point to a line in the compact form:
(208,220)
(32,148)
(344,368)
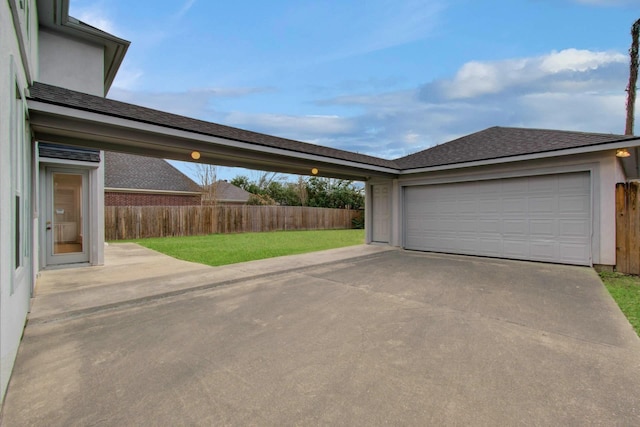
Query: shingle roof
(499,142)
(64,97)
(144,173)
(57,151)
(489,144)
(227,191)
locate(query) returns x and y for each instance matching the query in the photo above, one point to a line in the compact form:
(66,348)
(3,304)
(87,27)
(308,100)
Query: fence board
(135,222)
(628,227)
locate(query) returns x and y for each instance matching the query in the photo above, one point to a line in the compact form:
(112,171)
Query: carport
(78,121)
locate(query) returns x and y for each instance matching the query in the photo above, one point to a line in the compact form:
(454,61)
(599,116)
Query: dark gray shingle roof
(144,173)
(69,98)
(498,142)
(57,151)
(491,143)
(227,191)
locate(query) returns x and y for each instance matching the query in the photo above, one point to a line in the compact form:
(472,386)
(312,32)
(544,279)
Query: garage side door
(540,218)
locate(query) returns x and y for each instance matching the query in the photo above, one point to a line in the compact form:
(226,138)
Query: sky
(383,77)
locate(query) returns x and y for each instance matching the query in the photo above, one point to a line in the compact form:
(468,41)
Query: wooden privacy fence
(628,227)
(135,222)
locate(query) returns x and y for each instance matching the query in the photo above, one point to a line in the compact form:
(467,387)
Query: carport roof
(64,116)
(68,98)
(503,142)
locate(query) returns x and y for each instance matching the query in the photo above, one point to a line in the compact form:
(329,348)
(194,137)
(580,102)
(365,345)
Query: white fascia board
(535,156)
(73,113)
(147,191)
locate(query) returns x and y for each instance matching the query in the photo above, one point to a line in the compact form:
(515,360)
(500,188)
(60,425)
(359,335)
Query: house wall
(605,172)
(17,65)
(71,63)
(620,175)
(142,199)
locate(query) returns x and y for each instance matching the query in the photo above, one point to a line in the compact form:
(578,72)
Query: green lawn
(626,291)
(223,249)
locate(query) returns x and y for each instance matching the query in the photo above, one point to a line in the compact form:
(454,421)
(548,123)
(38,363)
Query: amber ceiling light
(314,171)
(623,152)
(195,155)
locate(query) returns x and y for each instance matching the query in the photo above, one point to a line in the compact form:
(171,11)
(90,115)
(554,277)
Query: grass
(625,290)
(223,249)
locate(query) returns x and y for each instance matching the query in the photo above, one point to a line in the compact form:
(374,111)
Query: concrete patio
(355,336)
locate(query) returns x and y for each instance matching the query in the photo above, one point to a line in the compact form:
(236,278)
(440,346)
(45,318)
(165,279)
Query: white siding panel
(541,218)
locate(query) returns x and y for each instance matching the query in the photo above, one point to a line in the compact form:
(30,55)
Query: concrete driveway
(354,337)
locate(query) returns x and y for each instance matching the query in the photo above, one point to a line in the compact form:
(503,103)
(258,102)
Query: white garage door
(541,218)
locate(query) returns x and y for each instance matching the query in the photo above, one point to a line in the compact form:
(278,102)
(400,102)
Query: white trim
(68,163)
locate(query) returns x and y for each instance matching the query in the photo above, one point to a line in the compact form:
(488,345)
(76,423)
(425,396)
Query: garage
(539,218)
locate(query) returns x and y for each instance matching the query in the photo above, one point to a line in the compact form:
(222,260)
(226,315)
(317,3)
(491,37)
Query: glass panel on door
(67,213)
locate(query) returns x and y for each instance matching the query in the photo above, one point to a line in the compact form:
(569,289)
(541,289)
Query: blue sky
(381,77)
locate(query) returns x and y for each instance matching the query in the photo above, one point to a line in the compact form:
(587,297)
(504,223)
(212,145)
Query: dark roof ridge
(580,132)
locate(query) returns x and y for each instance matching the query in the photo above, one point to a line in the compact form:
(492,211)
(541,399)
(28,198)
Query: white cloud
(578,60)
(483,78)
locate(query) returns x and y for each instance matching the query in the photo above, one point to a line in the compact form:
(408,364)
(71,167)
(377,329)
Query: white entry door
(66,222)
(541,218)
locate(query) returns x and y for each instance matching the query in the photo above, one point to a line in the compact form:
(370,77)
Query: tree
(633,78)
(334,193)
(207,179)
(313,191)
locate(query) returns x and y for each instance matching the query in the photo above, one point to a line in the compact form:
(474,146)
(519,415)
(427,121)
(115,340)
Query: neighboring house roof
(227,192)
(69,98)
(499,142)
(128,171)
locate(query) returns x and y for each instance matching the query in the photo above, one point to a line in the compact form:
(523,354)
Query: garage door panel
(545,218)
(489,206)
(469,225)
(514,186)
(543,184)
(573,253)
(518,227)
(575,183)
(543,204)
(488,226)
(514,205)
(573,204)
(545,250)
(544,227)
(573,228)
(516,248)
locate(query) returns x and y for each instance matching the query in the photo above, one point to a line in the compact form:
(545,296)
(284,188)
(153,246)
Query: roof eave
(72,126)
(629,171)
